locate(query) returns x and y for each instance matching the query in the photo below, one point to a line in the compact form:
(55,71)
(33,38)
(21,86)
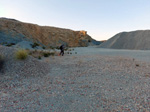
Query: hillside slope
(13,31)
(139,40)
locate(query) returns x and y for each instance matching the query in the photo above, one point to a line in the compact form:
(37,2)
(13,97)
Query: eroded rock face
(139,40)
(13,31)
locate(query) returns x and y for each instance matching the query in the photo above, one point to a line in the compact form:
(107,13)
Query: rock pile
(129,40)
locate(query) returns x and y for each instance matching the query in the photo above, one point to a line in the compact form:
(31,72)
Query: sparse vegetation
(89,40)
(21,54)
(39,57)
(80,62)
(35,53)
(69,49)
(51,47)
(43,47)
(46,54)
(10,44)
(57,47)
(27,49)
(35,45)
(40,53)
(3,43)
(1,62)
(52,53)
(66,49)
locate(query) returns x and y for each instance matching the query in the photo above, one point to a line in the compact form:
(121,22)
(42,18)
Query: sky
(102,19)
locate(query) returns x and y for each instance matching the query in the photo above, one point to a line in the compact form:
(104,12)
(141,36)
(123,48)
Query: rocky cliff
(13,31)
(139,40)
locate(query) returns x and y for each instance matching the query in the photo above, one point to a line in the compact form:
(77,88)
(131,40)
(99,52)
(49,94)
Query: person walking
(61,50)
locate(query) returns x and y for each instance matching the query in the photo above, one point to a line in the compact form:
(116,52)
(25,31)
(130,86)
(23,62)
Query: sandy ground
(93,80)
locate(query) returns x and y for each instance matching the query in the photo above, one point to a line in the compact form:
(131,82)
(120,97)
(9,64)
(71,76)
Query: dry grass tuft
(21,54)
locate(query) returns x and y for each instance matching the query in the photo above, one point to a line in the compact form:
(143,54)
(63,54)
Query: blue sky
(102,19)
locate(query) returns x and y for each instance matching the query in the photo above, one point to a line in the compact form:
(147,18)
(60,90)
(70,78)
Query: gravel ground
(142,55)
(81,83)
(25,68)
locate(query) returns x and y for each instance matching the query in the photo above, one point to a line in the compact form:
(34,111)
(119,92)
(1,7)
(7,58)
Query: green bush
(21,54)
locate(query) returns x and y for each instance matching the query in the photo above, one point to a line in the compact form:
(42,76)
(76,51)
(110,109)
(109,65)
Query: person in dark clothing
(61,50)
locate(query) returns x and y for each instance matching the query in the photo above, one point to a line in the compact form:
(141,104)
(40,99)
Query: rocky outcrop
(13,31)
(139,40)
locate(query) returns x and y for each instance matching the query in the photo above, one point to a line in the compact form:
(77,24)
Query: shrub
(51,47)
(43,47)
(10,44)
(21,54)
(52,53)
(66,49)
(3,43)
(40,53)
(46,54)
(39,57)
(69,49)
(58,47)
(34,45)
(1,62)
(30,53)
(35,53)
(89,40)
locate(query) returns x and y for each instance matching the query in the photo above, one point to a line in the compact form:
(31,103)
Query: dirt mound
(13,31)
(129,40)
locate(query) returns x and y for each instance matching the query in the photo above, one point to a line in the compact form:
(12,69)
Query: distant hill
(14,31)
(139,40)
